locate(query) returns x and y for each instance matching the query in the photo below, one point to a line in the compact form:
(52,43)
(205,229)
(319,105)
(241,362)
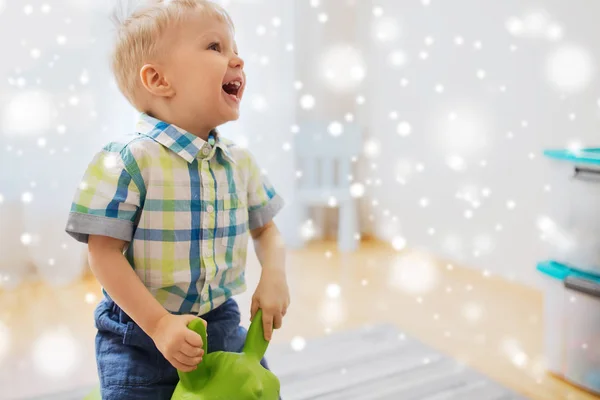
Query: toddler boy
(167,213)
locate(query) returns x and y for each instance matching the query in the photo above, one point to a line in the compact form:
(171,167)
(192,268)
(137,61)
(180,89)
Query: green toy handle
(256,345)
(197,325)
(195,378)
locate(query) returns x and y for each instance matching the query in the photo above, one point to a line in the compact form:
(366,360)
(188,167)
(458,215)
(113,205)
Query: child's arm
(272,294)
(181,346)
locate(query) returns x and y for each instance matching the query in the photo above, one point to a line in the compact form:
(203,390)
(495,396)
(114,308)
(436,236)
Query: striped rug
(377,363)
(371,363)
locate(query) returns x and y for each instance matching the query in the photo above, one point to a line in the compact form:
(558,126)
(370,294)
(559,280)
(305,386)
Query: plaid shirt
(185,206)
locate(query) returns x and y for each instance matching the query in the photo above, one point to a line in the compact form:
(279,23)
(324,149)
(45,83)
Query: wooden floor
(493,325)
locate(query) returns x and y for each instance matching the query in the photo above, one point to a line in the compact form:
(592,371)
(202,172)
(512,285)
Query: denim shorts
(130,367)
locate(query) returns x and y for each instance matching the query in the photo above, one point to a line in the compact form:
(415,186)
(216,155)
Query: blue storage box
(571,225)
(572,324)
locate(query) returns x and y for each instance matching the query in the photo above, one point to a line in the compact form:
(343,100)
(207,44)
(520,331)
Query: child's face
(205,71)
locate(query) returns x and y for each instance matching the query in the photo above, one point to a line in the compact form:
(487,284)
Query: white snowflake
(397,58)
(333,291)
(332,202)
(386,29)
(110,161)
(55,353)
(307,230)
(555,32)
(5,336)
(307,102)
(90,298)
(570,68)
(27,197)
(414,274)
(17,115)
(26,239)
(404,128)
(357,190)
(399,243)
(372,148)
(456,163)
(298,343)
(472,312)
(342,67)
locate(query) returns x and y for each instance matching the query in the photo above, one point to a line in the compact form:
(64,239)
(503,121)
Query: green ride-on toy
(226,375)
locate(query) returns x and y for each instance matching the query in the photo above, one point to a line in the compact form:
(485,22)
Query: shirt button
(210,208)
(205,151)
(205,296)
(207,252)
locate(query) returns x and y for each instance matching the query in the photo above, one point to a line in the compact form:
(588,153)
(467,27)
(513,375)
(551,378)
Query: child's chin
(229,117)
(233,115)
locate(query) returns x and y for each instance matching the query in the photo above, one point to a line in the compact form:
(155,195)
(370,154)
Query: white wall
(58,105)
(472,152)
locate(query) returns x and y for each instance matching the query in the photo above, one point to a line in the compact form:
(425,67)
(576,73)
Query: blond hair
(139,29)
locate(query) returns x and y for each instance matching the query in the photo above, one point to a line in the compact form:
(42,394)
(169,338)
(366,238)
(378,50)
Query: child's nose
(236,62)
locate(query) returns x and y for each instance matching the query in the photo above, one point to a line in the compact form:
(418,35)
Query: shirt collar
(181,142)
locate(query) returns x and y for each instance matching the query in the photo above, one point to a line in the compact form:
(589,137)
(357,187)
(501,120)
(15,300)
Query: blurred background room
(424,222)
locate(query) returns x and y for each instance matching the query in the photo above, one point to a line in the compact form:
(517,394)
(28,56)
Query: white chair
(326,164)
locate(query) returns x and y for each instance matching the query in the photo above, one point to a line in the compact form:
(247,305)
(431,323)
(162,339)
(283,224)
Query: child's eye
(215,47)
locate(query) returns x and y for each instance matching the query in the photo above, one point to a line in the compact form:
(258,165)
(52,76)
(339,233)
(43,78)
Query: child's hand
(273,298)
(181,346)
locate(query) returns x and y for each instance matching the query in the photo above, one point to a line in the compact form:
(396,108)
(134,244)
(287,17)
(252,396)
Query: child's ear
(155,82)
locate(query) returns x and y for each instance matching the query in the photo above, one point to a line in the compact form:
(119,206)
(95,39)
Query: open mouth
(233,88)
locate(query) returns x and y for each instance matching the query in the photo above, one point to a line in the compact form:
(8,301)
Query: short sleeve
(264,203)
(107,201)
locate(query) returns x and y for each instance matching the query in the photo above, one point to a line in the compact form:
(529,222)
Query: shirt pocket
(233,219)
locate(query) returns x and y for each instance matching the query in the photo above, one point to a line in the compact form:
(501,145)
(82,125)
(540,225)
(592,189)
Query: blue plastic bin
(571,223)
(572,324)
